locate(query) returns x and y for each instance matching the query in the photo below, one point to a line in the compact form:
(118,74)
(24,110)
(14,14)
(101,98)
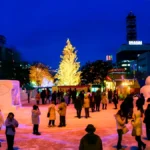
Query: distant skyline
(39,28)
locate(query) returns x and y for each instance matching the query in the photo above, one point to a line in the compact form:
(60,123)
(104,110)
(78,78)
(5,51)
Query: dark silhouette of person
(78,106)
(43,96)
(147,121)
(54,96)
(74,95)
(98,99)
(90,141)
(140,103)
(110,94)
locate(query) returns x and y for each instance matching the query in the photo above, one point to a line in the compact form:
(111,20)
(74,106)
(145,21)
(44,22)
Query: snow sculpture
(9,93)
(47,83)
(146,88)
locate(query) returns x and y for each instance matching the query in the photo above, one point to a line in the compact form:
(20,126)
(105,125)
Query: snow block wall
(146,88)
(9,94)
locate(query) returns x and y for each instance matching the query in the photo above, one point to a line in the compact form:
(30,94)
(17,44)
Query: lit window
(128,64)
(124,65)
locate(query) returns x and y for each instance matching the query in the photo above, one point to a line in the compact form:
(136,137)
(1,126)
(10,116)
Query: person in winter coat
(104,101)
(86,105)
(137,125)
(54,97)
(10,124)
(36,119)
(43,96)
(125,107)
(90,141)
(98,99)
(38,97)
(147,121)
(93,101)
(120,122)
(52,116)
(110,94)
(115,100)
(1,122)
(140,103)
(78,106)
(62,108)
(66,97)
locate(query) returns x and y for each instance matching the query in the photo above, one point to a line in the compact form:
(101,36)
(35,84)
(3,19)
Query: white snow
(67,138)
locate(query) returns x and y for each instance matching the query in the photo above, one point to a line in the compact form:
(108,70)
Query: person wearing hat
(11,124)
(35,119)
(86,105)
(62,108)
(90,141)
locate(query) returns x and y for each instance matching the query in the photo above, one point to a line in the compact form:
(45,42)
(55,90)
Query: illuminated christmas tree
(68,73)
(39,73)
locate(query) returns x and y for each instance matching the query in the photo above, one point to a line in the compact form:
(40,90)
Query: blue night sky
(39,28)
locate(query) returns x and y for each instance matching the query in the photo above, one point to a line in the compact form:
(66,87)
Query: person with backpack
(51,114)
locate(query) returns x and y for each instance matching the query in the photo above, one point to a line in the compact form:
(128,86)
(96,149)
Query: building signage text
(135,42)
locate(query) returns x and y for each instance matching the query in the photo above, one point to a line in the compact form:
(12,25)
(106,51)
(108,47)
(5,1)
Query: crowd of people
(88,100)
(136,116)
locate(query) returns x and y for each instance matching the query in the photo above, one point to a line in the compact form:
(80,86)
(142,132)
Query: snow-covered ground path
(68,138)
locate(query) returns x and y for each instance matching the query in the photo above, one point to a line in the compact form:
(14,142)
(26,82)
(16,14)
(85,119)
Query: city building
(129,52)
(11,66)
(141,65)
(131,33)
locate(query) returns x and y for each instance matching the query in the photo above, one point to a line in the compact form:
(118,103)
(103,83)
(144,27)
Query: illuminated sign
(135,43)
(109,57)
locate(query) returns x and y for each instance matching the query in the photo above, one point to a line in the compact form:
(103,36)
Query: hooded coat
(86,101)
(52,111)
(62,108)
(35,116)
(137,124)
(120,121)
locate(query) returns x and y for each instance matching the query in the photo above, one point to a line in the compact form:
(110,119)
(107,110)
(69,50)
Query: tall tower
(2,40)
(131,27)
(2,47)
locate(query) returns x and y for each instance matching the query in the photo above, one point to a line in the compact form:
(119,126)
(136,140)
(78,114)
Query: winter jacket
(115,99)
(104,99)
(137,124)
(91,142)
(35,116)
(52,111)
(78,103)
(38,96)
(98,97)
(120,121)
(62,108)
(86,102)
(10,126)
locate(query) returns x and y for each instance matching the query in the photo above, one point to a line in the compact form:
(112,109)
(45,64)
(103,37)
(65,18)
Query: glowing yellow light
(125,83)
(68,73)
(37,75)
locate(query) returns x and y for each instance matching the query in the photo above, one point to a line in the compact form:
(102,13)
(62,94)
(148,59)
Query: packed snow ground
(67,138)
